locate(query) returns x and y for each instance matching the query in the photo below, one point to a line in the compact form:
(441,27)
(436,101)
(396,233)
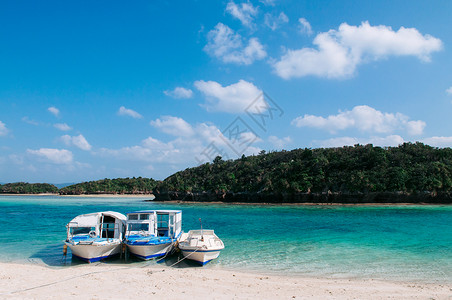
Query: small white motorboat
(153,233)
(201,246)
(95,236)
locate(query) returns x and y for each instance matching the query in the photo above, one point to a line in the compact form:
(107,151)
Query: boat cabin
(108,224)
(158,223)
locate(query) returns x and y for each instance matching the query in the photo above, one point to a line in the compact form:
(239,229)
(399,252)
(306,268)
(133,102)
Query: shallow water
(380,242)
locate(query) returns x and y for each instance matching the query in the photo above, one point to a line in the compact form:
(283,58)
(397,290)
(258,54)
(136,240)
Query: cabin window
(81,230)
(144,217)
(138,227)
(162,221)
(133,217)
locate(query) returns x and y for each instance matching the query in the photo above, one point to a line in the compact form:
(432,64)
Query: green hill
(27,188)
(359,169)
(112,186)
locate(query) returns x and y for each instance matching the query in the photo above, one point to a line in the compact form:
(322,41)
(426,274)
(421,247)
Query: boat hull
(147,252)
(92,253)
(199,255)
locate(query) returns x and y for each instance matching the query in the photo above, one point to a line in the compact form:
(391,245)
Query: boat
(95,236)
(201,246)
(153,233)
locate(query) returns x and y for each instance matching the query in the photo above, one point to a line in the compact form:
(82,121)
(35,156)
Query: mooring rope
(182,259)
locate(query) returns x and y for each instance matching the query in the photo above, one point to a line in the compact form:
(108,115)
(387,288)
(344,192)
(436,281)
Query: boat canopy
(93,219)
(162,223)
(158,211)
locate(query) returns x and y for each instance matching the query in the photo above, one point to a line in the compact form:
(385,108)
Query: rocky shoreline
(320,198)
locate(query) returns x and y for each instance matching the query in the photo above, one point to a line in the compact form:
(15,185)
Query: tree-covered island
(358,174)
(134,186)
(28,188)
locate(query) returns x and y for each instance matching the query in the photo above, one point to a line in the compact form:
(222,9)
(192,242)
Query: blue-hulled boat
(95,236)
(153,233)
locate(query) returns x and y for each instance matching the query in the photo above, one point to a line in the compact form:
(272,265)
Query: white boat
(201,246)
(153,233)
(95,236)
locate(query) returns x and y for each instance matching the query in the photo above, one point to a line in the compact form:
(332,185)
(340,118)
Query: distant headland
(409,173)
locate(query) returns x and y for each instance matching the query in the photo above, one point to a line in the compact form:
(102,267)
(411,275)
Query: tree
(217,159)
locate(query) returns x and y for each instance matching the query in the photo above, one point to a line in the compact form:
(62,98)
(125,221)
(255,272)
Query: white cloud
(78,141)
(62,126)
(274,22)
(180,93)
(31,122)
(56,156)
(449,91)
(305,27)
(153,150)
(53,110)
(133,153)
(438,141)
(253,51)
(3,129)
(245,12)
(340,51)
(155,144)
(205,143)
(331,60)
(268,2)
(363,118)
(226,45)
(279,143)
(249,136)
(129,112)
(234,98)
(388,141)
(415,127)
(376,42)
(173,125)
(180,151)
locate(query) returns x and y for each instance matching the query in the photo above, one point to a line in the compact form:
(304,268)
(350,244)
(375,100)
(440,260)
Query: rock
(319,198)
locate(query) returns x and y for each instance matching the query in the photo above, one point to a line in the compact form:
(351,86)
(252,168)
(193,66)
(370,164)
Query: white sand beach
(102,281)
(150,196)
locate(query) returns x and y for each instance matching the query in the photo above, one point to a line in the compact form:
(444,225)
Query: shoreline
(111,196)
(86,195)
(101,281)
(300,204)
(323,198)
(226,203)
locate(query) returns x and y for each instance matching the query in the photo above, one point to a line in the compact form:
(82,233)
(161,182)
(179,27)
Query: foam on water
(381,242)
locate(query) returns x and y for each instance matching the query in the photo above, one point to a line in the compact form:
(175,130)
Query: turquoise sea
(399,243)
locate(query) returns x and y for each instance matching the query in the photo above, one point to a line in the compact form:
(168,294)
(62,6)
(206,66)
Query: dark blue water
(381,242)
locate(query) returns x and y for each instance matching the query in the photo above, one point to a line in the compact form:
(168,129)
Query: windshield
(81,230)
(138,227)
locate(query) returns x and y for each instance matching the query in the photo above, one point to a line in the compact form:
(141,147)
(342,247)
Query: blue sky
(106,89)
